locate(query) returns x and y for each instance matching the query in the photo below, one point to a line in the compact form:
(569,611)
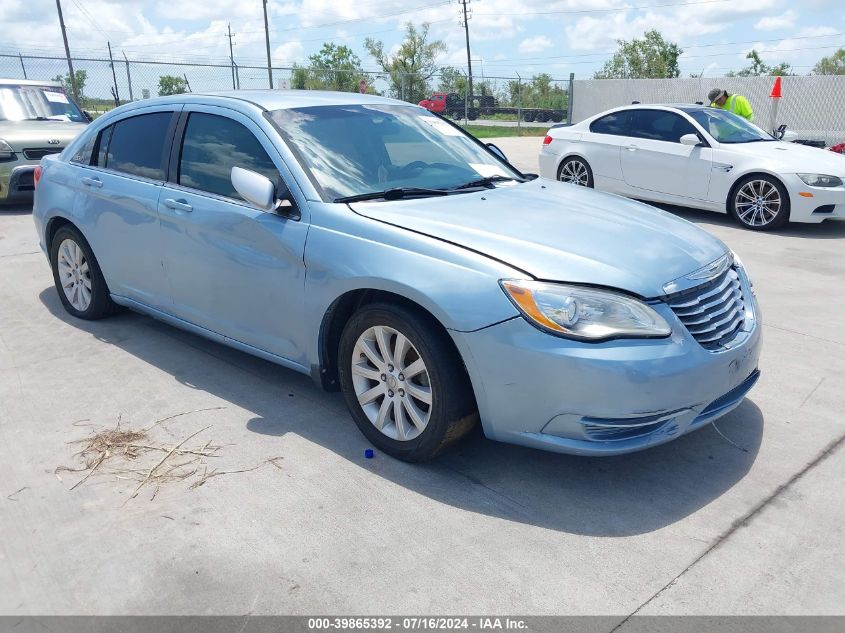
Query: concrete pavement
(746,519)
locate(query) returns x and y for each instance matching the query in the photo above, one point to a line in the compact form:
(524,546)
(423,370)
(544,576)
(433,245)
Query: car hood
(794,157)
(25,134)
(559,232)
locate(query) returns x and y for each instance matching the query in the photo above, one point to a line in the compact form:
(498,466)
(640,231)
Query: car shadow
(827,230)
(612,497)
(15,209)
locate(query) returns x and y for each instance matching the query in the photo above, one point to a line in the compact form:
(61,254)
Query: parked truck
(452,104)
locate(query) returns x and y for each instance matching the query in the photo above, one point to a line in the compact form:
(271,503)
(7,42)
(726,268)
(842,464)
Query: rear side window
(660,125)
(137,145)
(214,144)
(103,146)
(84,153)
(615,123)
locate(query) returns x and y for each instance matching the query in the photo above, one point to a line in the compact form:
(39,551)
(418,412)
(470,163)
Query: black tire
(452,411)
(529,116)
(758,218)
(576,165)
(542,116)
(100,304)
(557,117)
(472,114)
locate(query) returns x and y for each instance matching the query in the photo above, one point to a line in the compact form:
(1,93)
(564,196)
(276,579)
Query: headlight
(820,180)
(583,313)
(6,150)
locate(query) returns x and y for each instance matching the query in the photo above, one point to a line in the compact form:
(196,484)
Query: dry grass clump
(132,455)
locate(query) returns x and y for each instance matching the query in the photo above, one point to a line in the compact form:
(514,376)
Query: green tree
(413,65)
(758,68)
(334,68)
(833,65)
(171,85)
(81,79)
(452,80)
(651,57)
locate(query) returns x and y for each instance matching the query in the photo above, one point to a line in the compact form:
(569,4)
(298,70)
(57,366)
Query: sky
(506,36)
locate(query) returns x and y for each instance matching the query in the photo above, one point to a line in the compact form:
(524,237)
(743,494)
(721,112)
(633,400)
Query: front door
(654,160)
(233,269)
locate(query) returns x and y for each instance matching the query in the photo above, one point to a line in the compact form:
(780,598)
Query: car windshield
(37,103)
(354,150)
(727,127)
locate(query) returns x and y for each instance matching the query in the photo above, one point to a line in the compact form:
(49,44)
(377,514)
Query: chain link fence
(812,106)
(538,101)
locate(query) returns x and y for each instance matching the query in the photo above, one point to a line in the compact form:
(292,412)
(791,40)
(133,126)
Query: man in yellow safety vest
(719,98)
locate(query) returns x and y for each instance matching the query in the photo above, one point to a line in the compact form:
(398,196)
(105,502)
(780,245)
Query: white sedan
(698,157)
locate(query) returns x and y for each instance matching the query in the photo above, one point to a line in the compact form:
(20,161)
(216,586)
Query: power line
(614,10)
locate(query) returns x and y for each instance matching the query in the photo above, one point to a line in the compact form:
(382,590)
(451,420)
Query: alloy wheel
(74,275)
(391,383)
(758,203)
(575,172)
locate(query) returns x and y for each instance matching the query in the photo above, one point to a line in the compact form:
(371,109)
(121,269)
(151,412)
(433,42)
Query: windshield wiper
(487,181)
(393,194)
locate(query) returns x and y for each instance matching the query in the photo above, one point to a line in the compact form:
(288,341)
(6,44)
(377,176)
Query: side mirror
(497,151)
(259,190)
(690,139)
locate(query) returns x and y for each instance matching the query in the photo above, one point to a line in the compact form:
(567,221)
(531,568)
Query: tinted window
(137,145)
(212,146)
(659,125)
(83,154)
(611,124)
(103,146)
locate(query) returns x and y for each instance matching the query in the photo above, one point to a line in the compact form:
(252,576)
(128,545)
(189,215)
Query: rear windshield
(37,103)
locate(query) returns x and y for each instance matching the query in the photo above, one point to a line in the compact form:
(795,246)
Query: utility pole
(465,24)
(67,53)
(267,38)
(128,77)
(114,76)
(231,54)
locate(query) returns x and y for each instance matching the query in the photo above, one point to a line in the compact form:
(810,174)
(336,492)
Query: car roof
(284,99)
(685,107)
(28,82)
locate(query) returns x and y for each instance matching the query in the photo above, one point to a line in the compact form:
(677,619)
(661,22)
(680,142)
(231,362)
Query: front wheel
(759,203)
(576,171)
(403,382)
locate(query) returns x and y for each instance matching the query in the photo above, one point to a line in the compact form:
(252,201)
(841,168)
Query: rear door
(118,195)
(233,269)
(653,158)
(605,139)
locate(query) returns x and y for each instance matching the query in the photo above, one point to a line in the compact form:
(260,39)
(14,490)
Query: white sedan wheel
(575,172)
(758,203)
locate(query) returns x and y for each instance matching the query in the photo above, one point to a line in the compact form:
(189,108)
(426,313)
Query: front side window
(660,125)
(616,124)
(137,145)
(727,127)
(351,150)
(212,146)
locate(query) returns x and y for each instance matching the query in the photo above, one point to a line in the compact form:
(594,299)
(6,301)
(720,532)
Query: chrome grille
(712,312)
(39,153)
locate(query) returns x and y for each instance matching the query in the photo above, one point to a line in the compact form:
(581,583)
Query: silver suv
(37,118)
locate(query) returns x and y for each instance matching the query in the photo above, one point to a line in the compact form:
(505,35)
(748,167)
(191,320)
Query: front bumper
(826,203)
(16,182)
(608,398)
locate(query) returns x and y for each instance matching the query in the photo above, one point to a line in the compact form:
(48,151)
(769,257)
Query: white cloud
(777,22)
(288,53)
(535,44)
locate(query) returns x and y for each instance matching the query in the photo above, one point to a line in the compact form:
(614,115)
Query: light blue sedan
(380,249)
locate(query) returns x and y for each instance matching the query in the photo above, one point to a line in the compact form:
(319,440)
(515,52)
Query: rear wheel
(79,281)
(403,382)
(575,171)
(759,203)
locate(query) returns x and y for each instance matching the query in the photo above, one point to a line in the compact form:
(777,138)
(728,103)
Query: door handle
(92,182)
(631,148)
(177,205)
